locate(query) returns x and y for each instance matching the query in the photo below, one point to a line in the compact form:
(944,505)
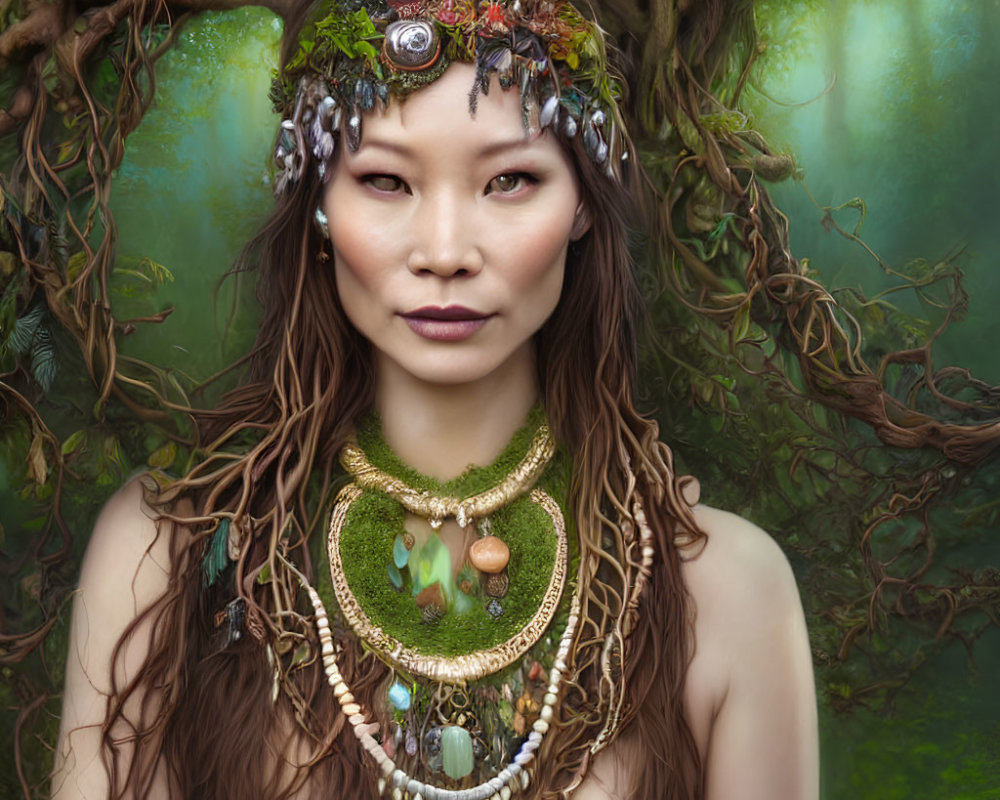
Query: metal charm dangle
(549,115)
(411,44)
(354,131)
(598,149)
(322,223)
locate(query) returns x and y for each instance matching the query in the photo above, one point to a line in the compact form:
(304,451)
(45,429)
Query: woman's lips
(447,324)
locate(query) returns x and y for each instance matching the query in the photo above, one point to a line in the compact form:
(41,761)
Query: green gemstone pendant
(456,752)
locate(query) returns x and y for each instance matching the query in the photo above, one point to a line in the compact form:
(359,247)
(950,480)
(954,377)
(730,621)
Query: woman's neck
(441,429)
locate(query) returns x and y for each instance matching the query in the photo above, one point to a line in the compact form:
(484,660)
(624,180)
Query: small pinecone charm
(430,601)
(497,584)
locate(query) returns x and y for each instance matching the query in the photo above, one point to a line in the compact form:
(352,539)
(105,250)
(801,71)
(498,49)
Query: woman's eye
(510,182)
(385,183)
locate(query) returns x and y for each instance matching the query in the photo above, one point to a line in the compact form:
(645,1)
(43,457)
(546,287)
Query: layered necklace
(477,645)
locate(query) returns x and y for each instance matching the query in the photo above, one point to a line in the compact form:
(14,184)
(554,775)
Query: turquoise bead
(399,696)
(395,576)
(400,555)
(456,752)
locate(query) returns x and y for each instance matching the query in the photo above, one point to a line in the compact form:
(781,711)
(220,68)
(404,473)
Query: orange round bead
(489,554)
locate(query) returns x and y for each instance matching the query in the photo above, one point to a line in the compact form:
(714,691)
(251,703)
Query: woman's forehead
(441,112)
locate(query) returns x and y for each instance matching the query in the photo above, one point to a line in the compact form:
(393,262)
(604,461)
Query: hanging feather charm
(216,557)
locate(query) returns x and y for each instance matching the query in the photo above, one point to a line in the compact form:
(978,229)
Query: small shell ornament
(411,44)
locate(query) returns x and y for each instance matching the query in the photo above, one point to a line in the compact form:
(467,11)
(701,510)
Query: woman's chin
(453,367)
(454,373)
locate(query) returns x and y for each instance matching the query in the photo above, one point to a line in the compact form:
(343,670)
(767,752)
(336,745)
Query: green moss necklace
(471,644)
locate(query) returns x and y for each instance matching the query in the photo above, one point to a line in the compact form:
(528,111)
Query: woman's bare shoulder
(750,693)
(125,571)
(125,534)
(744,595)
(127,563)
(736,558)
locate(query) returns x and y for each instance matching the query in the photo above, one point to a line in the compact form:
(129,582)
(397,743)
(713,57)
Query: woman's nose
(447,238)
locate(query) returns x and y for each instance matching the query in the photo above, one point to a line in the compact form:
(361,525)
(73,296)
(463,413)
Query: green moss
(372,524)
(474,480)
(374,520)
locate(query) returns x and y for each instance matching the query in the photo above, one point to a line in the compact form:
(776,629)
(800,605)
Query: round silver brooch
(411,44)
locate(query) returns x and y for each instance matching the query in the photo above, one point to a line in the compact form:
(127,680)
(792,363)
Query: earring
(323,223)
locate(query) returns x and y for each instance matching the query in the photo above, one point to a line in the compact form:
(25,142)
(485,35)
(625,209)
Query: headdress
(352,57)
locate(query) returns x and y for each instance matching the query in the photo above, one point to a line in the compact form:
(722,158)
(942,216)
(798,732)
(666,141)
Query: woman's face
(450,231)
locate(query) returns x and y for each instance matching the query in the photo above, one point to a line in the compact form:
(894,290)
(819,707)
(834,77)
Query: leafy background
(909,126)
(888,107)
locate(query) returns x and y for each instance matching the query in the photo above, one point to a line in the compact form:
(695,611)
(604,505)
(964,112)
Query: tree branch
(19,109)
(55,24)
(42,24)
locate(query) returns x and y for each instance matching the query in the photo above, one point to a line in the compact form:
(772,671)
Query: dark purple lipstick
(445,324)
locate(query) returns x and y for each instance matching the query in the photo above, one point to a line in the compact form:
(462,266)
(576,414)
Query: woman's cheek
(363,251)
(540,255)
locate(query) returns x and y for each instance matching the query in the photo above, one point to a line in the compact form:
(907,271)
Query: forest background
(889,110)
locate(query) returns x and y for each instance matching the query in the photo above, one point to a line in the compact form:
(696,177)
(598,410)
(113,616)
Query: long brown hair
(208,717)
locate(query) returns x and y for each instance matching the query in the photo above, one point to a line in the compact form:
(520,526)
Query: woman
(530,607)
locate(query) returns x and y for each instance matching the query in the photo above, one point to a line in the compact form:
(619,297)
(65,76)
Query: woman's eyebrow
(370,143)
(496,147)
(506,145)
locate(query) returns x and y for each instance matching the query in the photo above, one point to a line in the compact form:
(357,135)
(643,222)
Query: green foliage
(935,751)
(140,277)
(31,338)
(351,33)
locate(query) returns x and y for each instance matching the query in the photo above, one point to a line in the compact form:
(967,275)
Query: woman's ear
(581,223)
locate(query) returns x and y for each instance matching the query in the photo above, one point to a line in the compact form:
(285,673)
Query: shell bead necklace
(513,776)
